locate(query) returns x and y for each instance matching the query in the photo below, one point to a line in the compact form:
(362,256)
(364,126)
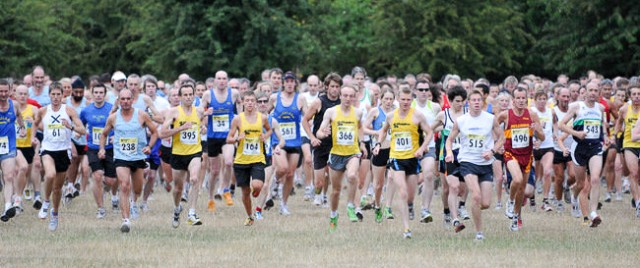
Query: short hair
(259,94)
(358,70)
(539,93)
(335,77)
(457,91)
(406,90)
(275,70)
(519,89)
(476,92)
(55,86)
(484,87)
(248,93)
(99,85)
(5,82)
(186,85)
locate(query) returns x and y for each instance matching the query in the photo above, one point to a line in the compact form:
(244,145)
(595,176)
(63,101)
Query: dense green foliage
(472,38)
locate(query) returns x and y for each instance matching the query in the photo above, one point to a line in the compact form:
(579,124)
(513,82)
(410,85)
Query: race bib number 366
(346,135)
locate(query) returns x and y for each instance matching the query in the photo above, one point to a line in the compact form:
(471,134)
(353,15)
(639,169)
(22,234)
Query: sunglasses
(263,101)
(422,89)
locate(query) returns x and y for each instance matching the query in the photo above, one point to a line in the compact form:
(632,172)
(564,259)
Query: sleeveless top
(546,119)
(220,119)
(129,138)
(518,134)
(186,142)
(345,127)
(446,129)
(8,130)
(589,120)
(476,138)
(379,122)
(569,140)
(630,119)
(428,112)
(82,139)
(289,120)
(250,149)
(56,137)
(404,140)
(326,103)
(95,119)
(28,117)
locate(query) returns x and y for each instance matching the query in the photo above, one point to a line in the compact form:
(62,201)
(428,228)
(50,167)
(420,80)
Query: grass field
(302,239)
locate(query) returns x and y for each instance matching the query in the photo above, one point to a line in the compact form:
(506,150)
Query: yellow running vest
(345,133)
(250,149)
(404,136)
(629,122)
(27,117)
(186,142)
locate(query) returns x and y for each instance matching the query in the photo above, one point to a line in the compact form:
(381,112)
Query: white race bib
(403,141)
(96,132)
(129,146)
(346,135)
(288,130)
(190,135)
(4,145)
(267,145)
(476,142)
(251,146)
(519,137)
(57,132)
(220,123)
(592,128)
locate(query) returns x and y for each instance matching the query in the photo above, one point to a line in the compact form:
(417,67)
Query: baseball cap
(117,76)
(289,75)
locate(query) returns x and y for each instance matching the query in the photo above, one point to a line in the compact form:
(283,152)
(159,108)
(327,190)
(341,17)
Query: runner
(183,124)
(543,153)
(26,148)
(520,126)
(343,123)
(57,122)
(95,118)
(561,155)
(629,116)
(249,163)
(78,102)
(476,129)
(405,151)
(131,147)
(586,151)
(503,103)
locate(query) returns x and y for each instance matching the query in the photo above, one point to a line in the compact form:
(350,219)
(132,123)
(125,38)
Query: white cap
(117,76)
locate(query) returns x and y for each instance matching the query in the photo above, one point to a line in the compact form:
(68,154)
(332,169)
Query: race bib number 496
(519,137)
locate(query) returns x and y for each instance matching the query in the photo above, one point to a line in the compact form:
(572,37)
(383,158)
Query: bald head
(221,80)
(313,83)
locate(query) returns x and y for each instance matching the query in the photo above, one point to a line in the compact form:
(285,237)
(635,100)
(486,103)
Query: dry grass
(547,240)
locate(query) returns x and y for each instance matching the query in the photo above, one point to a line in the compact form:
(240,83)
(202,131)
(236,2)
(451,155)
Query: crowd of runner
(119,136)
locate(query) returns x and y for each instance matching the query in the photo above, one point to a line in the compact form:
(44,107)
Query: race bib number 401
(402,141)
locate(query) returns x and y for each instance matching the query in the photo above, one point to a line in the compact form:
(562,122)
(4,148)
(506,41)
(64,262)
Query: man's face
(98,94)
(28,80)
(422,90)
(262,104)
(405,100)
(133,84)
(289,85)
(38,78)
(634,94)
(493,91)
(77,93)
(276,79)
(125,100)
(475,102)
(235,84)
(174,97)
(563,97)
(150,89)
(186,96)
(359,79)
(55,96)
(200,89)
(593,92)
(387,99)
(221,80)
(606,91)
(120,84)
(22,93)
(347,95)
(313,85)
(66,89)
(244,87)
(333,89)
(457,103)
(575,91)
(520,99)
(249,103)
(4,93)
(620,95)
(541,101)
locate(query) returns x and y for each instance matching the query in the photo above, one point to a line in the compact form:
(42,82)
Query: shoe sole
(10,213)
(595,222)
(427,219)
(125,228)
(360,216)
(37,204)
(459,228)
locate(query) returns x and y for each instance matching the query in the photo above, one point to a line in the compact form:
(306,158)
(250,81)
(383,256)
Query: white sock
(334,214)
(192,211)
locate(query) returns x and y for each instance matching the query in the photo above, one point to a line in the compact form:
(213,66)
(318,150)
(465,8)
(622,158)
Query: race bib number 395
(190,136)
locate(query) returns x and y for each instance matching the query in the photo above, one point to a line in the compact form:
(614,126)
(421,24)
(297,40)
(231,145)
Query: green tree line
(472,38)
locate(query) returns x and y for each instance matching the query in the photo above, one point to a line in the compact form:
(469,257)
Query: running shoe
(546,207)
(498,206)
(479,236)
(325,202)
(37,202)
(567,195)
(619,196)
(269,204)
(359,214)
(425,216)
(227,198)
(115,205)
(248,221)
(638,211)
(447,220)
(125,227)
(407,234)
(575,211)
(378,215)
(308,193)
(532,204)
(458,226)
(509,210)
(560,207)
(194,220)
(144,207)
(464,214)
(101,213)
(134,211)
(586,221)
(53,221)
(388,214)
(68,192)
(211,206)
(412,214)
(184,197)
(8,214)
(595,221)
(259,215)
(176,216)
(514,224)
(351,213)
(27,194)
(44,211)
(607,197)
(284,210)
(75,190)
(333,223)
(317,201)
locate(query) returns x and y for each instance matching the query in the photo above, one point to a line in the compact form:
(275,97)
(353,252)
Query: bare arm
(325,127)
(308,115)
(153,129)
(537,127)
(449,144)
(235,125)
(77,126)
(166,130)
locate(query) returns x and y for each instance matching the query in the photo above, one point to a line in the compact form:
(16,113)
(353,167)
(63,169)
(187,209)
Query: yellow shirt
(250,149)
(345,133)
(27,117)
(630,119)
(186,142)
(404,136)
